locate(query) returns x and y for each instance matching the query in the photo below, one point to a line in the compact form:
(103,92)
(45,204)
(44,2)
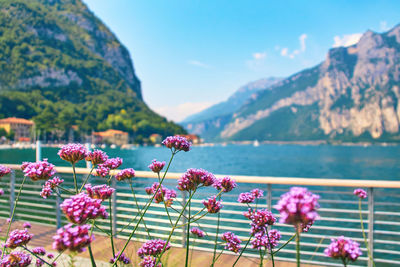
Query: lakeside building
(22,128)
(111,136)
(192,138)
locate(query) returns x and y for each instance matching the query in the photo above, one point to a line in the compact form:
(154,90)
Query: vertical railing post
(114,207)
(371,224)
(38,151)
(88,163)
(269,197)
(184,220)
(12,191)
(58,211)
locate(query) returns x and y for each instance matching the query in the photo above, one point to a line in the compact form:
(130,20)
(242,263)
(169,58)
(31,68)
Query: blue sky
(190,54)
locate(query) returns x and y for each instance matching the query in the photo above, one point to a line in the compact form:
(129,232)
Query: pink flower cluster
(74,238)
(360,193)
(101,171)
(153,248)
(73,152)
(79,208)
(177,143)
(4,170)
(39,251)
(18,238)
(212,205)
(27,225)
(261,239)
(113,163)
(249,197)
(1,192)
(197,232)
(193,178)
(49,185)
(298,207)
(260,220)
(232,241)
(163,194)
(41,170)
(99,191)
(123,258)
(149,261)
(125,174)
(156,166)
(96,157)
(343,248)
(16,259)
(226,183)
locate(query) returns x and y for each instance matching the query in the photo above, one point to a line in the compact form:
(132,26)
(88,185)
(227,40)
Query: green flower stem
(111,227)
(363,233)
(298,246)
(12,214)
(90,248)
(270,250)
(138,208)
(216,234)
(145,210)
(241,252)
(75,181)
(284,245)
(87,178)
(344,262)
(105,232)
(261,258)
(188,236)
(175,226)
(165,204)
(65,189)
(35,255)
(56,258)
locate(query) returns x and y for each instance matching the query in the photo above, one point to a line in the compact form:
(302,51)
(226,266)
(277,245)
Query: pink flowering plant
(88,206)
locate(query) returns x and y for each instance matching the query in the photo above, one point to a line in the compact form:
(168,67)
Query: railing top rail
(259,179)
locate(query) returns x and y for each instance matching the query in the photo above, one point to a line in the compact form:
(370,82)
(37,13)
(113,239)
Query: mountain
(210,121)
(351,96)
(61,66)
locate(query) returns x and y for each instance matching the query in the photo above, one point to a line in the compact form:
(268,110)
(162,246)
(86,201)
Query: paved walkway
(102,251)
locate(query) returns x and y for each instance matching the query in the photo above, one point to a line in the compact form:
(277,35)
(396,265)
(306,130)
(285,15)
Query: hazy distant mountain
(352,96)
(214,118)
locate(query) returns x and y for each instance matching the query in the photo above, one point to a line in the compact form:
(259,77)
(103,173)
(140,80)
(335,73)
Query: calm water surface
(324,161)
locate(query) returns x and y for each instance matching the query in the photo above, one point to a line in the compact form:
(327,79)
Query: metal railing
(339,213)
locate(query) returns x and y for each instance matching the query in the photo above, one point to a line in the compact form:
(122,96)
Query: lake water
(315,161)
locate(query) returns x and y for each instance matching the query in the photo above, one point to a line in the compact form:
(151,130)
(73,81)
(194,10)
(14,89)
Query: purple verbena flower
(261,240)
(123,258)
(27,225)
(96,157)
(101,171)
(197,232)
(50,255)
(246,197)
(360,193)
(232,241)
(298,207)
(257,193)
(80,208)
(1,192)
(153,248)
(39,251)
(212,205)
(343,248)
(113,163)
(4,170)
(149,261)
(73,153)
(74,238)
(177,143)
(49,185)
(163,194)
(226,183)
(260,219)
(99,191)
(16,259)
(125,174)
(193,178)
(18,238)
(156,166)
(41,170)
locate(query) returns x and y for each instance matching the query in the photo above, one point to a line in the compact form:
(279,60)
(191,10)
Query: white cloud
(346,40)
(199,64)
(181,111)
(302,41)
(259,55)
(383,25)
